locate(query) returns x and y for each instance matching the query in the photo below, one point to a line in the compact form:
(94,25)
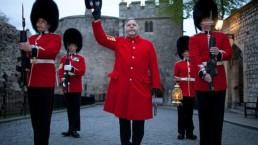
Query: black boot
(181,136)
(191,136)
(75,134)
(68,133)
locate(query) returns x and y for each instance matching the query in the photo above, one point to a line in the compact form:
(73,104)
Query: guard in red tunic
(184,73)
(42,49)
(134,76)
(73,71)
(210,85)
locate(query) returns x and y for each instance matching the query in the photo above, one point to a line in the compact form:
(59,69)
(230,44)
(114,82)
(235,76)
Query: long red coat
(78,63)
(186,72)
(134,74)
(44,74)
(199,53)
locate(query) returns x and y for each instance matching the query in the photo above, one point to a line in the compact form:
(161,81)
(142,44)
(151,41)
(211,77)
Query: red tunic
(199,53)
(78,63)
(186,72)
(44,74)
(134,74)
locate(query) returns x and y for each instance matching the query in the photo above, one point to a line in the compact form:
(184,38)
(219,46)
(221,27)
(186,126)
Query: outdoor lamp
(177,95)
(219,25)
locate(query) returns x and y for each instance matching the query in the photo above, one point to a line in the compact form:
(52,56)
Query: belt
(187,79)
(218,63)
(36,61)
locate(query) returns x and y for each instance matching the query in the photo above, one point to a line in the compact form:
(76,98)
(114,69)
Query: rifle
(24,59)
(211,64)
(67,76)
(25,65)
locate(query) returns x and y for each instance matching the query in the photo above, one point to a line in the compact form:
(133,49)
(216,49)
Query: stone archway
(236,83)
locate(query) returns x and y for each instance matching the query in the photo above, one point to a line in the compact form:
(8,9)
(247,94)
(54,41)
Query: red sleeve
(61,68)
(101,37)
(154,70)
(226,48)
(50,49)
(176,70)
(81,68)
(194,52)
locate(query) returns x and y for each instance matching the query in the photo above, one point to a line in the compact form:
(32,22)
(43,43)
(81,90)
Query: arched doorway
(236,77)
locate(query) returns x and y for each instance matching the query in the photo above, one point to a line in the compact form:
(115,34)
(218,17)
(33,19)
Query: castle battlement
(135,9)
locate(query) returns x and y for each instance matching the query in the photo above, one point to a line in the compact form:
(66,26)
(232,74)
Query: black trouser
(73,103)
(185,116)
(125,131)
(41,107)
(211,115)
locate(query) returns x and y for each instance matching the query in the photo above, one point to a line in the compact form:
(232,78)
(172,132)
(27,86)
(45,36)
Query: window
(148,26)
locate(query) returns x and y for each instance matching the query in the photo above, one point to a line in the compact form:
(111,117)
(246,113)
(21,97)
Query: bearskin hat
(182,45)
(72,35)
(46,9)
(202,9)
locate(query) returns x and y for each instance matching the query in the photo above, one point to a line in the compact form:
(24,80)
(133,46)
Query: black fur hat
(182,45)
(202,10)
(46,9)
(72,35)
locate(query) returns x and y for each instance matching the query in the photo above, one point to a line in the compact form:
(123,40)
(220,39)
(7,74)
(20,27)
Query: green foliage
(227,7)
(184,8)
(3,17)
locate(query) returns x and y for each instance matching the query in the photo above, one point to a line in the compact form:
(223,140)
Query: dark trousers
(125,131)
(73,103)
(185,116)
(211,115)
(41,107)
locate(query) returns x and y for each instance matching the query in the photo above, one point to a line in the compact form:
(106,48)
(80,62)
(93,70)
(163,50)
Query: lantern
(177,95)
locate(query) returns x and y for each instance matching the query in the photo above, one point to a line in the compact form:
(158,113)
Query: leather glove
(155,91)
(63,84)
(97,9)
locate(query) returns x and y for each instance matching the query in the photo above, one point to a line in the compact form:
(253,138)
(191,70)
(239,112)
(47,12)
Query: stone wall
(9,87)
(9,38)
(243,24)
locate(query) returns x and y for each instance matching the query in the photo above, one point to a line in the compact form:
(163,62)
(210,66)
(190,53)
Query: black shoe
(68,133)
(75,134)
(191,136)
(181,136)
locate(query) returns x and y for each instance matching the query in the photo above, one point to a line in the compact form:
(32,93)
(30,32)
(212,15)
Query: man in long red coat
(134,77)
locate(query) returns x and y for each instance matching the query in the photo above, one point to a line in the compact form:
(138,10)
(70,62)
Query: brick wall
(244,25)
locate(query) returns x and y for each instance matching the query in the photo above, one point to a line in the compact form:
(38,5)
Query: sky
(13,11)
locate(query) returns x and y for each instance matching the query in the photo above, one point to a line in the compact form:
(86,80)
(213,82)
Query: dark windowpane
(146,26)
(151,26)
